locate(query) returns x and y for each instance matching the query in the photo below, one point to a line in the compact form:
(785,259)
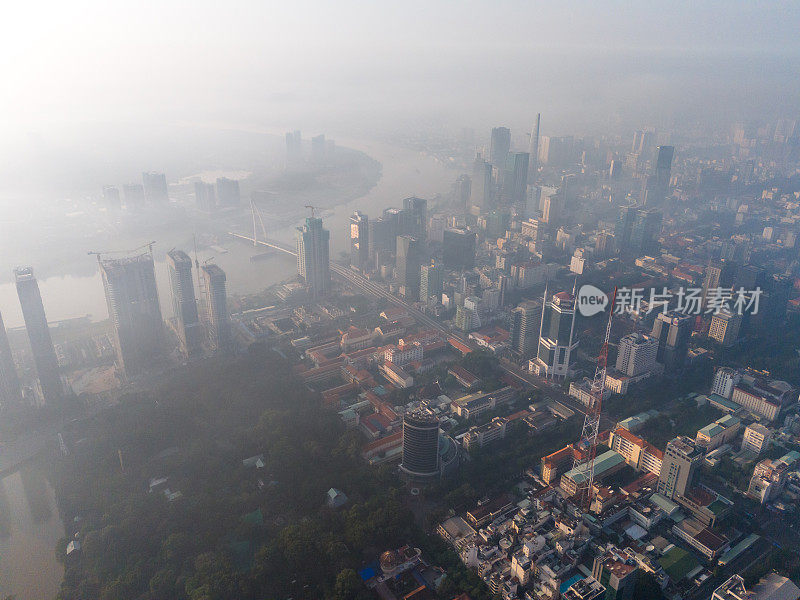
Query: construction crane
(313,208)
(586,448)
(99,255)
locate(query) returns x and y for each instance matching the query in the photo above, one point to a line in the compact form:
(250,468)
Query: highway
(370,287)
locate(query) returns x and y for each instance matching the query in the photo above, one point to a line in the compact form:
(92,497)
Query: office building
(637,354)
(500,145)
(663,174)
(769,477)
(132,299)
(228,192)
(420,444)
(359,240)
(462,190)
(318,148)
(756,438)
(184,303)
(525,321)
(555,356)
(556,151)
(379,237)
(134,195)
(551,208)
(645,230)
(725,379)
(725,328)
(771,587)
(533,151)
(431,279)
(482,195)
(313,256)
(681,459)
(294,149)
(673,330)
(204,196)
(216,308)
(515,179)
(408,256)
(416,216)
(436,226)
(44,355)
(155,187)
(458,248)
(617,573)
(10,392)
(111,197)
(624,226)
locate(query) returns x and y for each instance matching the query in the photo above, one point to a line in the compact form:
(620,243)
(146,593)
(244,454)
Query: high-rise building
(500,145)
(10,394)
(645,230)
(557,151)
(184,303)
(416,215)
(515,179)
(318,148)
(359,240)
(228,192)
(725,328)
(430,282)
(555,355)
(436,227)
(462,190)
(313,256)
(420,444)
(458,248)
(408,258)
(398,222)
(551,209)
(525,321)
(216,308)
(617,573)
(482,187)
(204,196)
(155,187)
(533,151)
(673,330)
(664,157)
(637,354)
(294,149)
(111,197)
(379,237)
(132,299)
(681,459)
(44,355)
(134,195)
(624,225)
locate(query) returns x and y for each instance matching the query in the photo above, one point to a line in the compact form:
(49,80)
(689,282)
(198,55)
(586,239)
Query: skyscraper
(458,248)
(132,299)
(500,145)
(482,188)
(681,460)
(409,259)
(44,355)
(525,321)
(462,189)
(9,382)
(184,304)
(645,230)
(624,225)
(551,211)
(359,240)
(228,192)
(515,179)
(637,354)
(313,256)
(555,357)
(430,282)
(204,196)
(318,149)
(420,443)
(134,196)
(111,197)
(294,149)
(657,185)
(215,303)
(533,151)
(673,330)
(416,214)
(379,237)
(155,187)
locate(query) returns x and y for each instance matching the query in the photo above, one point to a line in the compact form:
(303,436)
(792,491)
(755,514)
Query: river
(30,527)
(28,566)
(404,173)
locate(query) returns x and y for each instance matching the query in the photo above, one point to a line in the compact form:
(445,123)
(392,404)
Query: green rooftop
(678,563)
(604,462)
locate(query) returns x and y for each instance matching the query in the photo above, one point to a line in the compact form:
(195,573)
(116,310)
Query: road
(370,287)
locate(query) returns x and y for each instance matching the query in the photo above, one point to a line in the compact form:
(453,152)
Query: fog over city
(403,301)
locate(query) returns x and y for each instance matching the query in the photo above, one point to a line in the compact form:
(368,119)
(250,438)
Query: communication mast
(586,448)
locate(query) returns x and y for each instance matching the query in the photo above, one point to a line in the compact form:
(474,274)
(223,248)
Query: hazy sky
(72,70)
